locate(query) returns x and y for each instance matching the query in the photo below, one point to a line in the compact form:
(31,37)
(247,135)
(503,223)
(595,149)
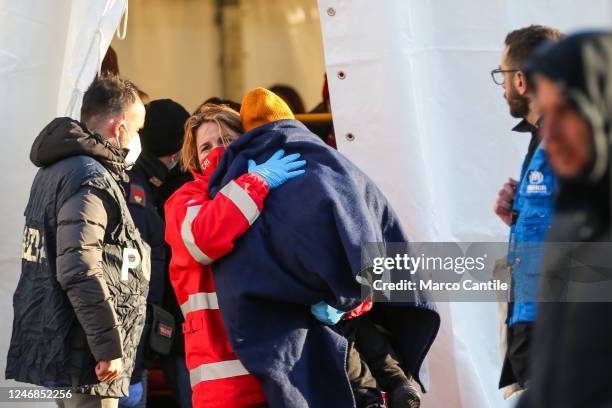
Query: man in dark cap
(572,352)
(153,178)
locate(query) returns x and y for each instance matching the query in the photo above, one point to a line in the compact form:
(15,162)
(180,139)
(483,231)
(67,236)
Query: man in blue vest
(524,205)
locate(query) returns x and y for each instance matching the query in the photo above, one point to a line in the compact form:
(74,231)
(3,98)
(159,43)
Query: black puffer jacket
(81,296)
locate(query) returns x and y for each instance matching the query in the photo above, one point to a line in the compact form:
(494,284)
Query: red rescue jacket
(199,231)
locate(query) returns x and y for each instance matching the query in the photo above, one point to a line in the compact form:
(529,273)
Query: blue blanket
(306,247)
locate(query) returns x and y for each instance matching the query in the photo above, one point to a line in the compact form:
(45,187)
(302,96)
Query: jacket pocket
(205,339)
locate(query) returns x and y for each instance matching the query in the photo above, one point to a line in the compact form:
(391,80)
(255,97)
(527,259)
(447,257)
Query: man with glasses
(525,204)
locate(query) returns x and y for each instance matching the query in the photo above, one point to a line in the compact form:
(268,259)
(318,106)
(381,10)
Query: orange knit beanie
(261,106)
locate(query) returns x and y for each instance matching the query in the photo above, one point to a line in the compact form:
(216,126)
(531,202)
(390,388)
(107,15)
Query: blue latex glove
(326,314)
(278,169)
(135,395)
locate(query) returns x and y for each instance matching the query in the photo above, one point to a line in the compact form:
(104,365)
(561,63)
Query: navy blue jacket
(304,248)
(142,201)
(141,198)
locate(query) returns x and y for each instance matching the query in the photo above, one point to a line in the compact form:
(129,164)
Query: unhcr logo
(536,177)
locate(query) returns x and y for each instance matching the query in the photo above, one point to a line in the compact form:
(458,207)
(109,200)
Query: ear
(520,83)
(116,128)
(111,130)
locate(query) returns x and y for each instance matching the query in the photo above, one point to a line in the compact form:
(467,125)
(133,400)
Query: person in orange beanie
(301,259)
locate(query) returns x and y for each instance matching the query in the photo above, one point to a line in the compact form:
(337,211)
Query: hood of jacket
(579,65)
(66,137)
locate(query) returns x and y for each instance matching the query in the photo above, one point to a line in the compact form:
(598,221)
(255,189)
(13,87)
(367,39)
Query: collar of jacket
(66,137)
(154,171)
(200,177)
(524,126)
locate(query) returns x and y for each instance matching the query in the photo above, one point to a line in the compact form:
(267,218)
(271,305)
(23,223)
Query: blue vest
(533,206)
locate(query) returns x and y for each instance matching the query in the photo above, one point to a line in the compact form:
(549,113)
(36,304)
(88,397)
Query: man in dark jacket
(79,306)
(161,138)
(572,356)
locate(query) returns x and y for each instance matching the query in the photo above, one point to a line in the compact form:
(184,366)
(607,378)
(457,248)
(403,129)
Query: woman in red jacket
(200,230)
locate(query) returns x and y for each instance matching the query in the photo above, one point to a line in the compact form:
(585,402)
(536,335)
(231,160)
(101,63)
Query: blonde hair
(227,120)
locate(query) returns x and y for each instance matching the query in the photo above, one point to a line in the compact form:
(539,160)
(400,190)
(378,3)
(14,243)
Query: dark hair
(290,96)
(110,63)
(215,100)
(144,97)
(108,95)
(523,43)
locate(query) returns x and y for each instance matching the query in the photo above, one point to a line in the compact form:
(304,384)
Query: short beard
(519,105)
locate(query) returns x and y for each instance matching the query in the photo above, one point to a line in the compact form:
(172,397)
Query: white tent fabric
(90,32)
(431,128)
(49,53)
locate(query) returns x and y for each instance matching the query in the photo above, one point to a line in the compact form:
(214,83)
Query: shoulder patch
(155,181)
(137,195)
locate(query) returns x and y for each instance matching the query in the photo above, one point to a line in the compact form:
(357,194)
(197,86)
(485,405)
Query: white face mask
(134,149)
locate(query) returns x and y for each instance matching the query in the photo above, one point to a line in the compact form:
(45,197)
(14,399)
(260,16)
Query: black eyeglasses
(498,75)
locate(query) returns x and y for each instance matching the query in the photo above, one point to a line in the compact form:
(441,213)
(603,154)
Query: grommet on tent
(341,75)
(331,11)
(350,137)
